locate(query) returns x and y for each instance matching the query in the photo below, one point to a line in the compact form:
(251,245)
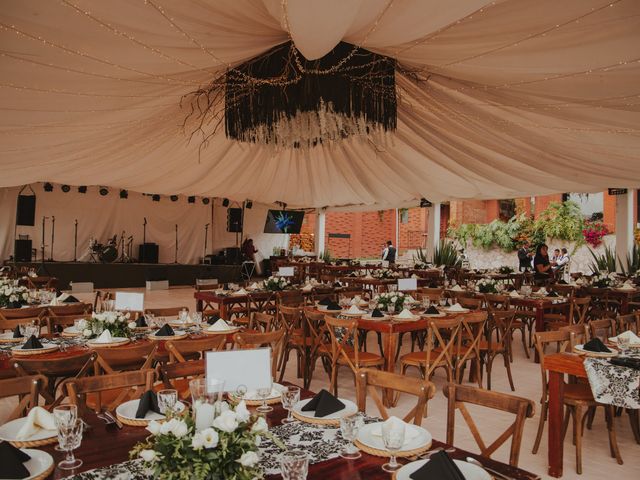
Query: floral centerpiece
(506,270)
(390,299)
(11,294)
(118,323)
(603,280)
(487,285)
(420,266)
(275,284)
(228,449)
(384,274)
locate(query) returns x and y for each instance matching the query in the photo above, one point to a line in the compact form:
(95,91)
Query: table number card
(285,272)
(407,284)
(250,368)
(133,302)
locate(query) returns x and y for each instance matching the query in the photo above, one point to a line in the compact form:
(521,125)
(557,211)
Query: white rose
(401,294)
(149,455)
(154,427)
(209,438)
(248,459)
(242,413)
(223,407)
(127,316)
(131,325)
(180,429)
(167,427)
(87,332)
(226,421)
(260,426)
(394,299)
(197,442)
(380,305)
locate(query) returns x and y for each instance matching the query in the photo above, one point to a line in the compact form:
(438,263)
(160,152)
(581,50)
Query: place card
(407,284)
(133,302)
(249,368)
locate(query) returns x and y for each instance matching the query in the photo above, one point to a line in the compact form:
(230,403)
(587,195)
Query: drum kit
(108,252)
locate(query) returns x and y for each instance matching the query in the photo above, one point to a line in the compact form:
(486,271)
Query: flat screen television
(284,221)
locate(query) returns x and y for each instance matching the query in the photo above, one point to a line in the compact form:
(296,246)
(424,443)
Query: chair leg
(490,359)
(334,377)
(523,332)
(285,360)
(591,415)
(577,429)
(507,365)
(543,419)
(613,442)
(380,344)
(634,421)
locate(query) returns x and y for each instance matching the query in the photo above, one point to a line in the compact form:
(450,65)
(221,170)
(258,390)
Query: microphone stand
(75,241)
(53,233)
(42,246)
(144,231)
(176,255)
(204,253)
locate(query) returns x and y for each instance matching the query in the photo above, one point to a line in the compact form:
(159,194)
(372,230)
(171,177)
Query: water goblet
(294,465)
(393,439)
(290,396)
(64,414)
(264,393)
(69,438)
(349,428)
(167,400)
(443,301)
(426,302)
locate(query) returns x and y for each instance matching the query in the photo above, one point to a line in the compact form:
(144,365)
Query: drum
(108,254)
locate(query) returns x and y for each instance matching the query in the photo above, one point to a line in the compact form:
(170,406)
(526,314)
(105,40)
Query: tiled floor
(597,464)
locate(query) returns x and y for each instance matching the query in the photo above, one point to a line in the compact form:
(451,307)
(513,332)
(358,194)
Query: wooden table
(559,364)
(94,454)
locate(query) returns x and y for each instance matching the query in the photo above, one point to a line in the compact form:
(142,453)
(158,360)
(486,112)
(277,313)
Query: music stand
(247,269)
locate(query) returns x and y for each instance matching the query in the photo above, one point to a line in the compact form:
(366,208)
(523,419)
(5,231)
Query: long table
(106,445)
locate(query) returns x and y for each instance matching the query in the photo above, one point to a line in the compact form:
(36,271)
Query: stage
(121,275)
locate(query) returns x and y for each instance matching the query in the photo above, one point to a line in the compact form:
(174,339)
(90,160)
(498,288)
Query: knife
(111,415)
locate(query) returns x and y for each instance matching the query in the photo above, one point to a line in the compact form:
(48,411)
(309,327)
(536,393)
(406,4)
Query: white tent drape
(523,97)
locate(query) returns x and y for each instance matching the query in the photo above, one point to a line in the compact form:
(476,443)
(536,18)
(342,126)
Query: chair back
(630,321)
(523,408)
(262,302)
(470,303)
(12,317)
(133,356)
(579,309)
(273,340)
(472,331)
(69,309)
(206,284)
(261,322)
(181,350)
(165,312)
(170,373)
(501,321)
(442,346)
(320,292)
(57,323)
(577,334)
(344,339)
(289,318)
(564,290)
(128,382)
(496,302)
(292,298)
(602,329)
(28,389)
(368,380)
(562,339)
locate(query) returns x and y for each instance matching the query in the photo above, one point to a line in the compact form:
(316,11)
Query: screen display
(283,221)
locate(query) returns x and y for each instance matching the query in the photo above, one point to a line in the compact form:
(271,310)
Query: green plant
(446,254)
(561,220)
(326,256)
(632,262)
(603,261)
(420,256)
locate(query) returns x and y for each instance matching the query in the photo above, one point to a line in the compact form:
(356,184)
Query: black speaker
(22,250)
(26,211)
(148,253)
(232,256)
(234,220)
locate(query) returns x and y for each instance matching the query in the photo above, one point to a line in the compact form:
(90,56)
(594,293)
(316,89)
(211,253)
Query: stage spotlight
(205,200)
(225,202)
(82,189)
(66,188)
(104,191)
(248,204)
(174,198)
(424,203)
(124,193)
(191,199)
(155,197)
(48,187)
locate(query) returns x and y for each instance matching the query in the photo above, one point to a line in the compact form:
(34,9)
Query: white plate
(114,341)
(254,397)
(178,323)
(71,331)
(40,462)
(9,431)
(347,314)
(369,317)
(398,318)
(221,332)
(177,335)
(46,348)
(433,315)
(416,437)
(462,310)
(470,471)
(7,337)
(128,411)
(580,350)
(349,409)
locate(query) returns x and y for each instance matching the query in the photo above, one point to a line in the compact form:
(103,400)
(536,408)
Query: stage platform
(121,275)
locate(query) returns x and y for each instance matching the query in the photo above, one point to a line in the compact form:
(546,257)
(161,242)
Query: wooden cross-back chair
(262,302)
(289,298)
(128,383)
(271,339)
(500,321)
(194,348)
(630,321)
(602,328)
(28,389)
(10,318)
(55,324)
(603,303)
(523,408)
(368,380)
(496,302)
(319,338)
(345,349)
(261,322)
(290,319)
(133,356)
(318,293)
(56,370)
(472,330)
(577,334)
(69,309)
(177,375)
(166,311)
(469,302)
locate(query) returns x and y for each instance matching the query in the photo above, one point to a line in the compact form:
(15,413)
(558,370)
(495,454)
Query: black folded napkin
(431,311)
(71,299)
(141,322)
(325,301)
(377,313)
(211,319)
(440,467)
(433,285)
(563,282)
(12,462)
(510,288)
(323,404)
(595,345)
(165,331)
(16,304)
(552,294)
(333,306)
(16,332)
(33,342)
(148,402)
(337,284)
(626,362)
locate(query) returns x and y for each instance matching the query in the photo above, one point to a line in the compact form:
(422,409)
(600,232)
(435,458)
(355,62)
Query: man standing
(524,257)
(389,253)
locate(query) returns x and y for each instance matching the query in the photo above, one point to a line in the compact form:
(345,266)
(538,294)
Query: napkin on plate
(17,333)
(242,291)
(253,286)
(456,288)
(626,286)
(431,311)
(307,288)
(165,331)
(105,337)
(633,338)
(12,461)
(333,306)
(141,322)
(405,313)
(440,466)
(377,313)
(32,343)
(323,404)
(542,291)
(595,345)
(70,299)
(552,294)
(354,309)
(394,427)
(37,419)
(62,297)
(148,402)
(211,319)
(220,326)
(456,307)
(514,293)
(325,301)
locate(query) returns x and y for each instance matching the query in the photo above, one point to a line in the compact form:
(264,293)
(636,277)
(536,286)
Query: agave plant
(603,261)
(420,256)
(632,263)
(446,254)
(326,256)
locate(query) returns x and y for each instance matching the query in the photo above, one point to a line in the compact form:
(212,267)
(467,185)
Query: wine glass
(393,439)
(67,414)
(349,428)
(290,396)
(167,400)
(294,465)
(264,393)
(69,438)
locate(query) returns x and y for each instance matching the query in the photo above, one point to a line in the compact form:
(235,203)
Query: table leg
(223,311)
(556,395)
(198,305)
(391,343)
(539,328)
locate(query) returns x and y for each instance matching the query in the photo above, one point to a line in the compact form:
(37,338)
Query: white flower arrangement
(384,274)
(12,294)
(420,266)
(604,280)
(276,283)
(487,285)
(393,299)
(118,323)
(226,449)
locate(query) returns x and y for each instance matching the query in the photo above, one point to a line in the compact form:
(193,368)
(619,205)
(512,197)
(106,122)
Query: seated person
(541,263)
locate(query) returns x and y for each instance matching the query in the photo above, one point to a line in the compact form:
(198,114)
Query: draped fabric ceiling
(523,97)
